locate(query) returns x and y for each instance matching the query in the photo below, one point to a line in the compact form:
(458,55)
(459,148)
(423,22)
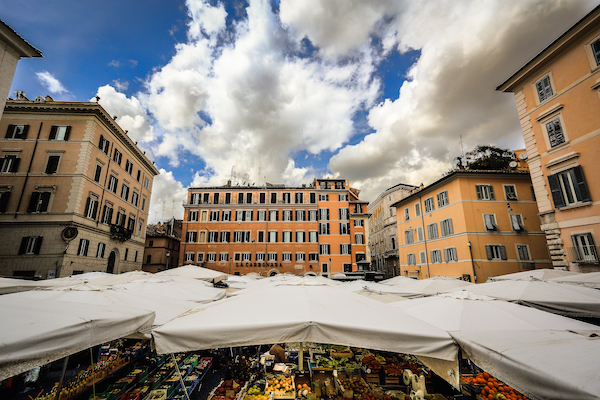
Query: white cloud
(168,195)
(131,114)
(114,63)
(120,85)
(48,80)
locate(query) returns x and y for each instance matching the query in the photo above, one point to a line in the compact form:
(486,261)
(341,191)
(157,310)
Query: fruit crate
(341,354)
(157,394)
(131,396)
(392,380)
(283,395)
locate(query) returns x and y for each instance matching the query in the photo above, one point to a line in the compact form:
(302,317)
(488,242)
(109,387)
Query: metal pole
(62,378)
(472,262)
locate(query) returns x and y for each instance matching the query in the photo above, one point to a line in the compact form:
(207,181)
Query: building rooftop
(21,45)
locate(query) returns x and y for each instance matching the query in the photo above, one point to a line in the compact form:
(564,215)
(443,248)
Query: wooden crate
(392,380)
(373,379)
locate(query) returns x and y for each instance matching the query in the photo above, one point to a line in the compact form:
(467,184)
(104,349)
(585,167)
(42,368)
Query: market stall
(591,280)
(194,272)
(360,285)
(430,286)
(542,274)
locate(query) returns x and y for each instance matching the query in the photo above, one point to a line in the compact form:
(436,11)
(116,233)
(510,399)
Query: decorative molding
(549,111)
(561,159)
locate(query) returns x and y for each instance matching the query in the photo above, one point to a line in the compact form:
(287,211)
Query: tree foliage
(485,157)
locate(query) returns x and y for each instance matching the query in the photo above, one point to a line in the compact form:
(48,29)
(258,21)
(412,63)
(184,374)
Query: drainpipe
(28,170)
(472,262)
(424,238)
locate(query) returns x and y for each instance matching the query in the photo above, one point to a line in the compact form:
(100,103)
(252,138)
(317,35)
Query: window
(214,215)
(286,256)
(585,251)
(446,227)
(417,209)
(347,267)
(516,221)
(98,173)
(299,236)
(113,182)
(323,214)
(324,228)
(523,252)
(510,192)
(273,215)
(299,198)
(555,132)
(323,197)
(91,207)
(286,198)
(143,203)
(211,257)
(4,197)
(406,214)
(312,215)
(324,249)
(129,166)
(442,199)
(569,187)
(146,183)
(344,228)
(261,215)
(450,254)
(194,198)
(135,198)
(126,254)
(213,236)
(544,88)
(225,236)
(408,235)
(287,215)
(490,222)
(287,236)
(596,51)
(202,236)
(120,218)
(240,215)
(422,257)
(107,213)
(9,163)
(432,231)
(324,268)
(84,244)
(31,245)
(345,249)
(249,198)
(189,257)
(104,144)
(312,237)
(17,132)
(200,257)
(420,236)
(410,259)
(140,227)
(117,156)
(272,236)
(260,236)
(239,236)
(260,257)
(359,238)
(138,175)
(148,259)
(246,257)
(495,252)
(313,256)
(226,215)
(342,197)
(52,165)
(193,216)
(359,257)
(125,192)
(485,192)
(272,256)
(343,213)
(300,257)
(429,205)
(39,202)
(300,215)
(223,256)
(436,256)
(131,222)
(204,216)
(191,236)
(216,198)
(358,222)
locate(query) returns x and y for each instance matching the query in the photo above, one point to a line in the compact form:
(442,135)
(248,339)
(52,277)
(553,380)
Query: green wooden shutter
(556,191)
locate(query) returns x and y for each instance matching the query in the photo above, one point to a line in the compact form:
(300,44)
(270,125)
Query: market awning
(192,271)
(543,273)
(430,286)
(35,332)
(297,312)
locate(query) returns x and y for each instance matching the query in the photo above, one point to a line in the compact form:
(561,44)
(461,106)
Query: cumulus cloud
(120,85)
(168,195)
(131,114)
(48,80)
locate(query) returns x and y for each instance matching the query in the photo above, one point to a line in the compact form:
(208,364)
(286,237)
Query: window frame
(542,86)
(436,256)
(485,192)
(508,195)
(496,252)
(450,254)
(443,195)
(519,246)
(12,129)
(429,205)
(577,185)
(516,222)
(490,223)
(446,227)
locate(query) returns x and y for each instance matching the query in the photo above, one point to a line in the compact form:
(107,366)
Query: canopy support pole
(92,369)
(301,357)
(180,377)
(62,378)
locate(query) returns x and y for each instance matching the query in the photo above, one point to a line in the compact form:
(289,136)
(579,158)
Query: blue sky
(284,91)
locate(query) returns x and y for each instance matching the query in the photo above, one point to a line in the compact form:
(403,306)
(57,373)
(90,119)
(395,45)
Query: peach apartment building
(558,101)
(471,225)
(74,191)
(310,229)
(383,238)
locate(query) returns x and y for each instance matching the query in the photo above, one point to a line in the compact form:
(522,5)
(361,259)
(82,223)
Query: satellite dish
(523,156)
(513,164)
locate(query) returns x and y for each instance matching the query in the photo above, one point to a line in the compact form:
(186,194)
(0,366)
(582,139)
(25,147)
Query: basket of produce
(281,387)
(131,396)
(228,389)
(485,385)
(157,394)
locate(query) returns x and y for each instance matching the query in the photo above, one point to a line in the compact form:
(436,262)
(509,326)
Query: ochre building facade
(314,229)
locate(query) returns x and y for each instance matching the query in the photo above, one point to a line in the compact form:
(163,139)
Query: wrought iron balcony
(584,254)
(120,233)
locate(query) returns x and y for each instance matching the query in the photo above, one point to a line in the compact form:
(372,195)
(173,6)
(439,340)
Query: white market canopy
(189,290)
(14,285)
(361,285)
(569,300)
(591,280)
(544,365)
(125,277)
(35,332)
(430,286)
(542,274)
(396,280)
(285,279)
(295,312)
(192,271)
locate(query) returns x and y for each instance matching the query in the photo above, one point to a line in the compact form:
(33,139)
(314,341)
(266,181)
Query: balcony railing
(584,254)
(120,233)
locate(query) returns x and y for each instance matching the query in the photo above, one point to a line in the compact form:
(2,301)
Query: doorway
(112,258)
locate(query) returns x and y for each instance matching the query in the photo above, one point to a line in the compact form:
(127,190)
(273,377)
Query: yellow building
(558,101)
(74,191)
(481,223)
(311,229)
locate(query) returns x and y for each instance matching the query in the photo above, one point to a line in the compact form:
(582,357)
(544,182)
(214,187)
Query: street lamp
(168,255)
